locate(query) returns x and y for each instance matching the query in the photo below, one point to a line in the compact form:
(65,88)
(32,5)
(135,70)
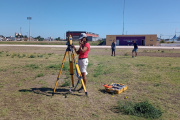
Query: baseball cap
(82,35)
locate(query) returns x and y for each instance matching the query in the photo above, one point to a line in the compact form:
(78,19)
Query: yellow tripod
(72,58)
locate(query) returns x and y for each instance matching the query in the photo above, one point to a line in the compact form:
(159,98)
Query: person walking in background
(135,49)
(113,47)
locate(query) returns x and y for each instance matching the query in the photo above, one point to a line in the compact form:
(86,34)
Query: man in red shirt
(83,56)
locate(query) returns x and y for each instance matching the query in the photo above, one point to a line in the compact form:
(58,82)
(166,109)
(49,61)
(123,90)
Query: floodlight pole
(123,17)
(29,18)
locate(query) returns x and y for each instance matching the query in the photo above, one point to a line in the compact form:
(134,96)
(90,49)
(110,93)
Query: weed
(126,54)
(40,75)
(140,65)
(162,51)
(4,112)
(66,83)
(19,84)
(13,55)
(156,85)
(8,54)
(176,68)
(32,56)
(50,54)
(40,55)
(33,66)
(1,85)
(3,70)
(141,109)
(98,70)
(145,51)
(66,66)
(24,55)
(90,64)
(54,66)
(42,82)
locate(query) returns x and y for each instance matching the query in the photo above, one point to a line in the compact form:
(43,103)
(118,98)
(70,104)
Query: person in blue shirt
(135,49)
(113,47)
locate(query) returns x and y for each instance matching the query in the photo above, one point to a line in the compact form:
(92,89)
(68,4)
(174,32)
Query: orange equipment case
(116,88)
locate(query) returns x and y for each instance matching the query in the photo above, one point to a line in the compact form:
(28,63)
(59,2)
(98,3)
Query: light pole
(29,18)
(123,17)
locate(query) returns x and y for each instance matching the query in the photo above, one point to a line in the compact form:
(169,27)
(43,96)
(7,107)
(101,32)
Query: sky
(52,18)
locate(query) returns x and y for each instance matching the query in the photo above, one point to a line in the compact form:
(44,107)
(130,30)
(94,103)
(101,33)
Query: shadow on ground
(49,91)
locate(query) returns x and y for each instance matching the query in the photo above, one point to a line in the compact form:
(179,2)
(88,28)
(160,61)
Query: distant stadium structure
(124,40)
(76,34)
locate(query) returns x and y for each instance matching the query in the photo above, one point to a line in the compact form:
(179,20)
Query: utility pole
(123,17)
(29,18)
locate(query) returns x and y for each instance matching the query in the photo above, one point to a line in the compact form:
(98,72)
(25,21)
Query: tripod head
(69,40)
(69,43)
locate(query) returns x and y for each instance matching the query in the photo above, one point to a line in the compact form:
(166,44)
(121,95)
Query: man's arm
(77,52)
(83,49)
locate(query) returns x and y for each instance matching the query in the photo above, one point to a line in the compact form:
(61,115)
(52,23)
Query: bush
(141,109)
(32,56)
(40,55)
(162,41)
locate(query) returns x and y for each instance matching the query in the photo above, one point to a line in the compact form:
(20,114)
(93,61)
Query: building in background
(76,34)
(124,40)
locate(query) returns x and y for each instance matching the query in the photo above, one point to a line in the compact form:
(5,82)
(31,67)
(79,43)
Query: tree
(178,38)
(39,38)
(58,39)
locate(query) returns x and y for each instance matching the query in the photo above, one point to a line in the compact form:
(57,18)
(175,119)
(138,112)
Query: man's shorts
(113,50)
(83,63)
(134,50)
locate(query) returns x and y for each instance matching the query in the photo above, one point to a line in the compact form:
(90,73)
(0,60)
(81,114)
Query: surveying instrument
(72,58)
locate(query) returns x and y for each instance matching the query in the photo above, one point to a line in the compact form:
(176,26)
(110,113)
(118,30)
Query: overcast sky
(52,18)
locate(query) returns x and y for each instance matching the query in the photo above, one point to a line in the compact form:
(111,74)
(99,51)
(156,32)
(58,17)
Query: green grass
(40,75)
(66,83)
(26,86)
(141,109)
(46,42)
(32,66)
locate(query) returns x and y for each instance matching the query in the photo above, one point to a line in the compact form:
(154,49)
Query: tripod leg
(79,73)
(59,73)
(71,70)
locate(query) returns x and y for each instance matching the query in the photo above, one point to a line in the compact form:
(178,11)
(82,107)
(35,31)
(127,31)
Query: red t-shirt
(85,54)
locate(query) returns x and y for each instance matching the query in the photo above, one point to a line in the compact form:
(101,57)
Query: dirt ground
(18,100)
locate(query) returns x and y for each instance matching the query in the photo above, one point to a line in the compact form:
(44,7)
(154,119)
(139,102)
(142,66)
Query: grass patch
(40,75)
(4,112)
(66,83)
(32,56)
(141,109)
(126,54)
(3,70)
(53,66)
(99,70)
(40,55)
(140,65)
(32,66)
